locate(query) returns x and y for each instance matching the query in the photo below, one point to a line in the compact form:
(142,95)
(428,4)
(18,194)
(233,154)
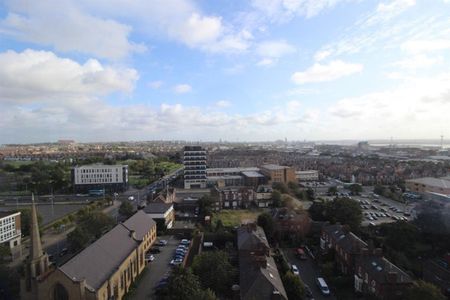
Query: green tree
(281,187)
(345,211)
(183,284)
(332,190)
(266,222)
(424,290)
(78,239)
(214,271)
(355,189)
(310,194)
(318,210)
(126,209)
(399,234)
(96,223)
(294,287)
(276,198)
(25,220)
(205,205)
(379,189)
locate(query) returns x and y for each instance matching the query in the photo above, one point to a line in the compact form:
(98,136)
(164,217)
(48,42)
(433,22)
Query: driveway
(309,271)
(156,269)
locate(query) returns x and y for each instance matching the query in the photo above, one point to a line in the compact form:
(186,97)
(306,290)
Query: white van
(323,286)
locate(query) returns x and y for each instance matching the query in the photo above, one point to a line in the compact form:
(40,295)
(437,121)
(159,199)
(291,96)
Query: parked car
(322,286)
(294,269)
(154,250)
(185,242)
(63,252)
(176,262)
(308,291)
(162,243)
(301,253)
(149,258)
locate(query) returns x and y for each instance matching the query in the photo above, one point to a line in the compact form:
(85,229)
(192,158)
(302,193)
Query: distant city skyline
(257,70)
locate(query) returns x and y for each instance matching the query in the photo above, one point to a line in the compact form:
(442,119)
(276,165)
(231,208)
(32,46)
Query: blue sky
(232,70)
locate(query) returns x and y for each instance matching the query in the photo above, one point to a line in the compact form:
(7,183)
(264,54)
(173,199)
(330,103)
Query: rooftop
(157,208)
(252,174)
(430,181)
(274,167)
(99,260)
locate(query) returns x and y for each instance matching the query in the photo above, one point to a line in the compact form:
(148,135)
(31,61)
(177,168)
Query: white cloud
(182,88)
(284,10)
(416,104)
(156,84)
(418,62)
(178,20)
(223,103)
(271,51)
(265,62)
(62,25)
(274,49)
(31,75)
(326,72)
(321,55)
(421,46)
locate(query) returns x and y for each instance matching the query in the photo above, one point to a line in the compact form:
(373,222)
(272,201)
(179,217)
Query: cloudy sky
(110,70)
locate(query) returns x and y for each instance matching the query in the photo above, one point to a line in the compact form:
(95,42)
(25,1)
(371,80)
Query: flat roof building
(276,173)
(429,184)
(194,160)
(108,177)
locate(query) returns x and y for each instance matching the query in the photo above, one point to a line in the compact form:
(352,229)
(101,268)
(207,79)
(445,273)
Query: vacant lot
(237,217)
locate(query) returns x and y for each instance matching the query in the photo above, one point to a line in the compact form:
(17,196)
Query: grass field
(231,218)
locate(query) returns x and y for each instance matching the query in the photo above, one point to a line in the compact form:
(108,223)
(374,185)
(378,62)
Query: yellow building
(104,270)
(276,173)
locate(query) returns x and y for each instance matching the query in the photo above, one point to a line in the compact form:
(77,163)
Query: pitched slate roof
(259,277)
(101,259)
(345,239)
(379,267)
(157,208)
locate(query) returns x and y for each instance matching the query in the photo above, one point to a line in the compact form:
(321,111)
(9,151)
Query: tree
(355,189)
(276,198)
(161,226)
(126,209)
(318,211)
(25,220)
(345,211)
(424,290)
(78,239)
(214,271)
(281,187)
(332,190)
(183,284)
(400,234)
(205,204)
(379,189)
(294,287)
(310,194)
(266,222)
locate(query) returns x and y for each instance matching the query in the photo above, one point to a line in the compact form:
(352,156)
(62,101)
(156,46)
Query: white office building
(194,160)
(10,232)
(108,177)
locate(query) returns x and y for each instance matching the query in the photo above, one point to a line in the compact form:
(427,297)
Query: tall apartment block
(194,167)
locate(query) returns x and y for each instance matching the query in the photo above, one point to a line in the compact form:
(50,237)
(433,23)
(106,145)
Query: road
(156,270)
(309,271)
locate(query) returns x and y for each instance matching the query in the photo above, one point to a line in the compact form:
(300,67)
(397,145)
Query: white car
(149,258)
(131,198)
(295,270)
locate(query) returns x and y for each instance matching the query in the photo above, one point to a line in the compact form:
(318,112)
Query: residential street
(309,271)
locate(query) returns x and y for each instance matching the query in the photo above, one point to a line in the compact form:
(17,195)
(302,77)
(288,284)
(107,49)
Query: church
(104,270)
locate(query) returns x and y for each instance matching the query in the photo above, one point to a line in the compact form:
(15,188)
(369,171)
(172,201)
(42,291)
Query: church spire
(36,246)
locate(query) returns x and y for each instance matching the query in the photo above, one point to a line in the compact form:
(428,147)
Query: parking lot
(309,271)
(378,210)
(156,269)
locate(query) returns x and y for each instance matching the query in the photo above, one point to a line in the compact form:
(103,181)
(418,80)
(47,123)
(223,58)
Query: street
(309,271)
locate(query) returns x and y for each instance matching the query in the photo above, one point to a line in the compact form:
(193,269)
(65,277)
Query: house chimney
(378,252)
(346,229)
(392,277)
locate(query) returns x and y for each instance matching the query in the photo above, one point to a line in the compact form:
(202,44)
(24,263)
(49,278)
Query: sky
(231,70)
